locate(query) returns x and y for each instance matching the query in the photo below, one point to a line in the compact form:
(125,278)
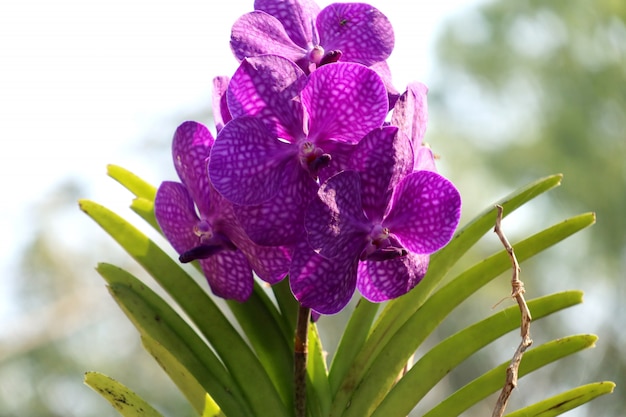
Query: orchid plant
(318,183)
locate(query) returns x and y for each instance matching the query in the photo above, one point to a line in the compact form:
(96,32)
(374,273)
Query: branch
(518,293)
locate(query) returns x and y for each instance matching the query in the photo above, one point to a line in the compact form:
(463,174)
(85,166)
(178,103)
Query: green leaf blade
(565,401)
(124,400)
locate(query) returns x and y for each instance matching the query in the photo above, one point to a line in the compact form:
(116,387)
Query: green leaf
(441,359)
(202,402)
(317,385)
(287,304)
(145,209)
(134,184)
(125,401)
(566,401)
(227,342)
(398,311)
(493,380)
(156,320)
(352,340)
(370,376)
(271,345)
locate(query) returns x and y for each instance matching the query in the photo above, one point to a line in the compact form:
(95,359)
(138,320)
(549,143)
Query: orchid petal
(246,162)
(361,32)
(382,158)
(229,275)
(191,148)
(176,215)
(322,284)
(297,17)
(382,69)
(221,114)
(426,208)
(258,33)
(384,280)
(410,113)
(424,159)
(280,221)
(344,102)
(334,221)
(266,87)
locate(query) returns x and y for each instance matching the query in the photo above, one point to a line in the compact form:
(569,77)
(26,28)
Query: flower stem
(300,359)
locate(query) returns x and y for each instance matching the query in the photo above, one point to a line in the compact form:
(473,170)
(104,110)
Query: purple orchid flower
(301,32)
(289,131)
(201,225)
(373,227)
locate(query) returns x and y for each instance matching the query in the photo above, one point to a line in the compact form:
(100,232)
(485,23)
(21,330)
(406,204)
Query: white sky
(80,80)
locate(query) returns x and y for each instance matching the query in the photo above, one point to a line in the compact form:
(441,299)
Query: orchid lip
(209,247)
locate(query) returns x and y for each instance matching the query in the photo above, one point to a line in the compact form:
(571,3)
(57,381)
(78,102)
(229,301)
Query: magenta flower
(373,227)
(201,225)
(288,131)
(299,31)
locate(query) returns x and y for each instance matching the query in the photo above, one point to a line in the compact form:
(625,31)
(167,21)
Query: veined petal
(322,284)
(191,148)
(384,280)
(424,159)
(382,69)
(382,158)
(247,161)
(221,114)
(297,17)
(258,33)
(361,32)
(410,113)
(344,101)
(425,212)
(176,215)
(334,221)
(229,275)
(280,220)
(266,87)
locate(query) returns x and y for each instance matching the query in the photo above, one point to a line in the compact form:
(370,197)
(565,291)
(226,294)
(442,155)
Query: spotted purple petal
(382,69)
(297,17)
(176,215)
(335,223)
(410,113)
(229,275)
(190,148)
(384,280)
(344,102)
(424,159)
(322,284)
(258,33)
(425,212)
(266,87)
(280,221)
(221,114)
(361,32)
(246,162)
(382,158)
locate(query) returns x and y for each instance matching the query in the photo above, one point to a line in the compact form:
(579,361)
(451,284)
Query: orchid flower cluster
(318,171)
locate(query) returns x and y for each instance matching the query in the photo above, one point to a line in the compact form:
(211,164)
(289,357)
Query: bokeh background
(518,90)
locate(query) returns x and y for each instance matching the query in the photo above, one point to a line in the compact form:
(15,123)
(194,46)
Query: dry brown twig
(517,292)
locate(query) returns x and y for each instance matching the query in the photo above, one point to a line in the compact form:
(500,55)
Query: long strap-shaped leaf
(121,398)
(492,381)
(371,377)
(449,353)
(200,308)
(398,311)
(156,320)
(202,402)
(566,401)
